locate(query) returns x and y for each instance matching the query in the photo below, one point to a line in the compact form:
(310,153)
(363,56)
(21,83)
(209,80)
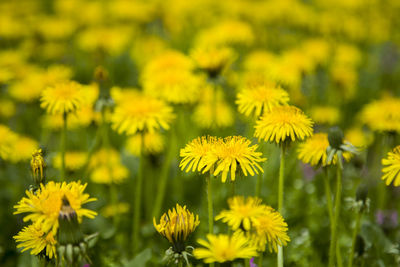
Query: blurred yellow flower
(314,151)
(62,98)
(382,115)
(325,114)
(7,140)
(114,210)
(212,110)
(242,212)
(282,123)
(38,241)
(22,149)
(223,248)
(74,160)
(177,225)
(213,60)
(391,169)
(106,167)
(45,204)
(359,137)
(153,143)
(7,108)
(141,113)
(260,98)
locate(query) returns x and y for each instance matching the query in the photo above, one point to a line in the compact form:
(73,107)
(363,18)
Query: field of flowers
(199,133)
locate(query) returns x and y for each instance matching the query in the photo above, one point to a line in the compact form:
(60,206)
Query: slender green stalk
(280,198)
(233,188)
(162,184)
(210,208)
(354,238)
(246,262)
(114,203)
(328,197)
(260,259)
(63,146)
(338,255)
(138,198)
(333,242)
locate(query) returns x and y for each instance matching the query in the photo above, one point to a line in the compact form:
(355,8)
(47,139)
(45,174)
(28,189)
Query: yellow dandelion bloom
(232,152)
(194,152)
(282,123)
(106,167)
(260,98)
(314,151)
(22,149)
(382,115)
(224,248)
(7,140)
(213,110)
(7,107)
(113,210)
(271,229)
(325,115)
(153,143)
(38,241)
(45,204)
(359,137)
(74,160)
(242,212)
(62,98)
(141,113)
(391,170)
(213,59)
(168,60)
(177,225)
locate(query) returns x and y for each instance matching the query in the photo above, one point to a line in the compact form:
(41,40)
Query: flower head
(270,229)
(260,98)
(194,152)
(177,225)
(224,248)
(242,213)
(22,149)
(382,115)
(325,115)
(33,237)
(106,167)
(64,97)
(391,171)
(45,204)
(74,160)
(282,123)
(314,151)
(153,143)
(139,112)
(212,59)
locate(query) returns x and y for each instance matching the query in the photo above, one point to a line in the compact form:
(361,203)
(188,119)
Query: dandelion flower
(38,241)
(359,137)
(223,248)
(391,170)
(45,204)
(271,229)
(314,151)
(62,98)
(382,115)
(141,113)
(242,213)
(212,59)
(8,138)
(325,115)
(153,143)
(260,98)
(74,160)
(106,167)
(177,225)
(282,123)
(194,152)
(229,153)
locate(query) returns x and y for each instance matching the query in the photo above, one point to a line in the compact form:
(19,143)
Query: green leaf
(141,259)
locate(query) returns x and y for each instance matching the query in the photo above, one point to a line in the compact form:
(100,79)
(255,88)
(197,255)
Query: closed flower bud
(335,137)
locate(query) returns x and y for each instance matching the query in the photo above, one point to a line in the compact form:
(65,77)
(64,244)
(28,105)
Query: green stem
(63,146)
(246,262)
(280,198)
(114,203)
(162,184)
(354,238)
(333,242)
(260,260)
(138,198)
(328,197)
(210,208)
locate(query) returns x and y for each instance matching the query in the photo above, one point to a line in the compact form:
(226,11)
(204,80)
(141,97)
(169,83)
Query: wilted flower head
(177,225)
